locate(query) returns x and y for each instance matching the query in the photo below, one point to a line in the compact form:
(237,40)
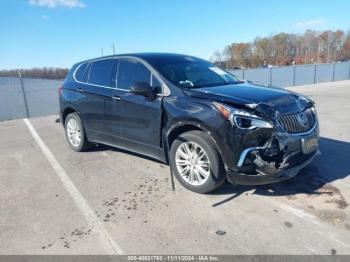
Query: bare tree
(284,49)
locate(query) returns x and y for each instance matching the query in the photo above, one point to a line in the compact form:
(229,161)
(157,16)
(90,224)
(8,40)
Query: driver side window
(130,72)
(156,85)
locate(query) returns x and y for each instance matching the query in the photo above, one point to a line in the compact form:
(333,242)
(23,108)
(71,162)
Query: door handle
(116,98)
(80,90)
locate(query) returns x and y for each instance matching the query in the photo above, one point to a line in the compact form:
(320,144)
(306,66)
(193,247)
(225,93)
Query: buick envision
(205,123)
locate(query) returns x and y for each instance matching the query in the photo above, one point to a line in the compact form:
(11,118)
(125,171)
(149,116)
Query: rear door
(140,119)
(98,86)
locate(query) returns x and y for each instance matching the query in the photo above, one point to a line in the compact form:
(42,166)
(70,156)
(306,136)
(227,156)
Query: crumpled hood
(267,100)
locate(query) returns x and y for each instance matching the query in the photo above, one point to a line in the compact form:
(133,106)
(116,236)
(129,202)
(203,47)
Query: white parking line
(106,239)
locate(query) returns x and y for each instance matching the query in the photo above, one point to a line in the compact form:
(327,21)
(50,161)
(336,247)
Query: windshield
(190,72)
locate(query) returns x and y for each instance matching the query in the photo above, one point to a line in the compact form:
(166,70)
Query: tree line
(286,49)
(279,49)
(44,73)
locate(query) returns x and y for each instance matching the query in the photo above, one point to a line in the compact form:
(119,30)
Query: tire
(195,142)
(78,145)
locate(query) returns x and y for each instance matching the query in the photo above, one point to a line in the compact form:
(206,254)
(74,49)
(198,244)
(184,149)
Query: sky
(59,33)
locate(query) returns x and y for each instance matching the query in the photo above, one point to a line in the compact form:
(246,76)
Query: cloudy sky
(37,33)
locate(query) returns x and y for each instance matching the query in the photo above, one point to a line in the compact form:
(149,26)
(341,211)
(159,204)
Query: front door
(139,118)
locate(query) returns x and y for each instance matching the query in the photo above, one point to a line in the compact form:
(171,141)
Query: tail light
(60,90)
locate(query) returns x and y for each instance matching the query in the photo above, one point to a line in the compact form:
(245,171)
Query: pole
(102,51)
(113,49)
(333,76)
(24,94)
(172,180)
(315,71)
(293,75)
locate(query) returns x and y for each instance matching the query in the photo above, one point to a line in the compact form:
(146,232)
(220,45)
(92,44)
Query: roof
(144,56)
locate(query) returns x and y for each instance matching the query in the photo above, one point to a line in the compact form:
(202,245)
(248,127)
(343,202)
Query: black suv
(207,124)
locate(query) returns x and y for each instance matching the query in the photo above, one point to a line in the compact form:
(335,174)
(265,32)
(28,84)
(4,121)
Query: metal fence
(25,97)
(283,76)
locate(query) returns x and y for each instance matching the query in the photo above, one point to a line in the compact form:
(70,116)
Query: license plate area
(309,144)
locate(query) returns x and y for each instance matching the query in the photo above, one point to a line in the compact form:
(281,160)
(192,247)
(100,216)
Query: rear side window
(103,73)
(86,74)
(130,72)
(79,74)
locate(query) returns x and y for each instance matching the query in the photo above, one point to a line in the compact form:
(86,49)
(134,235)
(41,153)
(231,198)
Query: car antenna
(113,49)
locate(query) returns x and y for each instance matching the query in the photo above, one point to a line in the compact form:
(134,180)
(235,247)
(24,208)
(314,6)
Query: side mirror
(143,89)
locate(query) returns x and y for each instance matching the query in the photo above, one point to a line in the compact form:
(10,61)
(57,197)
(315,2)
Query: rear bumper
(264,178)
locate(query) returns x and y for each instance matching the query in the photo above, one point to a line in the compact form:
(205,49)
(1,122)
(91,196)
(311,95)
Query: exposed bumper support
(262,178)
(246,152)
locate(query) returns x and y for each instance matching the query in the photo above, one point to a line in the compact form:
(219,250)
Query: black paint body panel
(146,127)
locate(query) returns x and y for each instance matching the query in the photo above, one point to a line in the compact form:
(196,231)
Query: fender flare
(196,125)
(70,108)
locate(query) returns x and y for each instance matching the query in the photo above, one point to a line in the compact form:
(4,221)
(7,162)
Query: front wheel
(196,163)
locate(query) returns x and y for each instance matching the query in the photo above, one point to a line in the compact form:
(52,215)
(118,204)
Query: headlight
(251,123)
(241,118)
(313,108)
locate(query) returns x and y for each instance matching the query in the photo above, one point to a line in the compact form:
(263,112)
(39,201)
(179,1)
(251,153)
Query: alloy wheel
(192,163)
(73,132)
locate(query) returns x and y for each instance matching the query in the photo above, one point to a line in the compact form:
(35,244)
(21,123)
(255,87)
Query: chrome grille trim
(292,123)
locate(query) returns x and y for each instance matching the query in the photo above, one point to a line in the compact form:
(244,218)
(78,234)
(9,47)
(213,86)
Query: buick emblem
(302,119)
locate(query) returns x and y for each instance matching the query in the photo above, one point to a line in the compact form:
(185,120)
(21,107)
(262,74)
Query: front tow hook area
(267,173)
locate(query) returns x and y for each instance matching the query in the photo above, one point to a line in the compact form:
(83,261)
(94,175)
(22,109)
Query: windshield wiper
(233,83)
(214,84)
(219,84)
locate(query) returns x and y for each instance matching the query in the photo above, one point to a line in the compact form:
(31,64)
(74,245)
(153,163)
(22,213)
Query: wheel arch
(185,126)
(68,110)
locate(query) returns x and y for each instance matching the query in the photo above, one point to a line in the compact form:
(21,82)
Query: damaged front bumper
(263,178)
(281,157)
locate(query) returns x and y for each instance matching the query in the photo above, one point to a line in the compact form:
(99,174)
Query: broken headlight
(246,120)
(241,118)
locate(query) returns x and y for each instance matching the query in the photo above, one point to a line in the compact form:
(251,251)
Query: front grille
(298,122)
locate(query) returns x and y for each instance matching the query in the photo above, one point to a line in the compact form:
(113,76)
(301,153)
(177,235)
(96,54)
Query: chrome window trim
(87,67)
(165,88)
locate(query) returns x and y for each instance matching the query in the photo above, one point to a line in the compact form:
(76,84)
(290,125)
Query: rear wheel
(75,133)
(196,162)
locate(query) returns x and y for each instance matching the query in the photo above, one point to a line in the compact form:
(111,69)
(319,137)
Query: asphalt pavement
(108,201)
